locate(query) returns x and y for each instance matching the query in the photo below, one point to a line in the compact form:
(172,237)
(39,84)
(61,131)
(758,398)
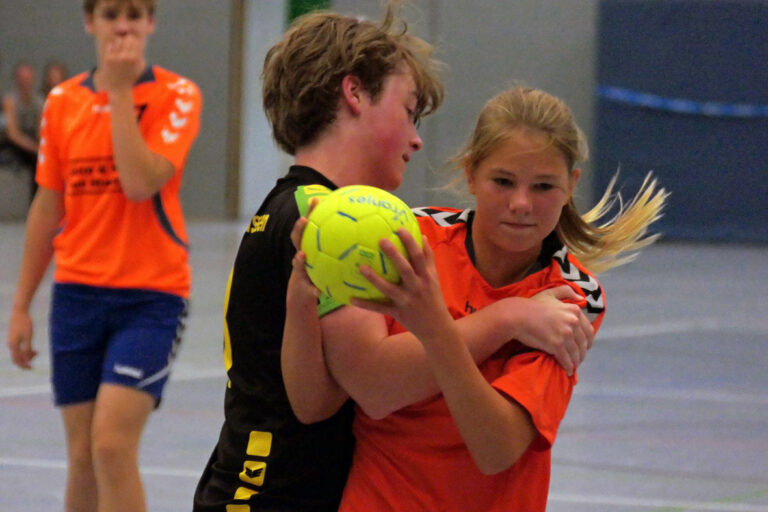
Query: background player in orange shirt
(484,442)
(112,151)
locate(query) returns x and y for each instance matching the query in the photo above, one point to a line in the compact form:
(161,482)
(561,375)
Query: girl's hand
(557,327)
(417,300)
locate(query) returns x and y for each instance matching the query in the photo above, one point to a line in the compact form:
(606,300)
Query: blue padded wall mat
(683,92)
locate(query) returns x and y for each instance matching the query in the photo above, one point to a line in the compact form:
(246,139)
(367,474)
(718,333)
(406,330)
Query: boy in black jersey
(343,97)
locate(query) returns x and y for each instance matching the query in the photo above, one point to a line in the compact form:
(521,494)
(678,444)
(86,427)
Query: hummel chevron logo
(596,303)
(592,293)
(128,371)
(254,472)
(441,218)
(169,137)
(182,86)
(176,121)
(184,106)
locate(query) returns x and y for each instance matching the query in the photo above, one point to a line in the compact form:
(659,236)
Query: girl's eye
(504,182)
(109,14)
(544,186)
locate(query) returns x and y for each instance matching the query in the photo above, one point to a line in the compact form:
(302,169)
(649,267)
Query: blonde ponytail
(602,246)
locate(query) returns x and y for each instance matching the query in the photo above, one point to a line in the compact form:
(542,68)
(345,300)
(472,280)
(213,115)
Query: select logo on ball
(343,232)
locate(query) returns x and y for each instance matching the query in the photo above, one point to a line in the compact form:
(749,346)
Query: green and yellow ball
(343,232)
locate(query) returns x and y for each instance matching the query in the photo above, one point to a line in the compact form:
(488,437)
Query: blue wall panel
(683,92)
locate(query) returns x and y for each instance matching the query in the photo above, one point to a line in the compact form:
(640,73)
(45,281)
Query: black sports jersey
(266,460)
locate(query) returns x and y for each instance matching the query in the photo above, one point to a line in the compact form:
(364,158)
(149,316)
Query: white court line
(187,374)
(25,391)
(685,395)
(676,327)
(656,503)
(553,497)
(190,373)
(582,390)
(61,464)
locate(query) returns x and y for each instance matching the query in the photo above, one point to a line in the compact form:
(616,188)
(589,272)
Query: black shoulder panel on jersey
(587,283)
(442,217)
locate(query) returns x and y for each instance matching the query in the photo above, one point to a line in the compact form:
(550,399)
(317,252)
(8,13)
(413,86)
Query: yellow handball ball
(343,232)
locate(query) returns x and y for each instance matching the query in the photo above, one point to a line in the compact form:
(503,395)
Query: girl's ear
(351,93)
(574,179)
(470,179)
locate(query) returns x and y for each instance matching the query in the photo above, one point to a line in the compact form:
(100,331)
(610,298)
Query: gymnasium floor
(671,413)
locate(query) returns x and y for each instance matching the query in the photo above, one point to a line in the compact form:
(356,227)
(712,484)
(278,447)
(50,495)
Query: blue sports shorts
(127,337)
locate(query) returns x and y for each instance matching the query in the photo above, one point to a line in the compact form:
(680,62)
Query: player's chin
(391,181)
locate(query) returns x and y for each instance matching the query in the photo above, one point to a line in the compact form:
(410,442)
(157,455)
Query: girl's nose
(520,200)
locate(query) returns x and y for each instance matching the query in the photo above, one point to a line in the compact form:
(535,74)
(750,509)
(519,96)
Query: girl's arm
(348,352)
(384,373)
(496,430)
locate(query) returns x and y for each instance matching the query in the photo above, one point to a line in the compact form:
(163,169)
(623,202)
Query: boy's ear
(89,23)
(352,93)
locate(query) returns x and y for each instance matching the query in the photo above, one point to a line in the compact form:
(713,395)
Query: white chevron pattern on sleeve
(588,284)
(442,218)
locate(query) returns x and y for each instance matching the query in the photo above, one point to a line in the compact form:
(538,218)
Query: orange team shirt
(104,239)
(415,458)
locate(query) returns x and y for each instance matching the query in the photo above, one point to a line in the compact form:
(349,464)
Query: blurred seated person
(54,73)
(21,112)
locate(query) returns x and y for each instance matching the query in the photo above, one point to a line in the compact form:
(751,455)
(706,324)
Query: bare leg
(81,493)
(118,422)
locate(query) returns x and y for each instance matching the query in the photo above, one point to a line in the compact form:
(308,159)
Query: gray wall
(486,44)
(192,38)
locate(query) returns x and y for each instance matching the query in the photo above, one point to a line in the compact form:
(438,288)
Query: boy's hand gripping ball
(343,232)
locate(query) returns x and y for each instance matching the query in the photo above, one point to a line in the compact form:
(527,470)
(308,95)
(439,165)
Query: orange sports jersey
(106,240)
(415,459)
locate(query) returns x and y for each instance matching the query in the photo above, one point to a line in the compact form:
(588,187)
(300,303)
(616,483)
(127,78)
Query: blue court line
(680,105)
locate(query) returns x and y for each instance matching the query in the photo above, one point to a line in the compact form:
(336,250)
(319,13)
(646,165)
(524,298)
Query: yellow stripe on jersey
(244,493)
(227,342)
(259,444)
(238,508)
